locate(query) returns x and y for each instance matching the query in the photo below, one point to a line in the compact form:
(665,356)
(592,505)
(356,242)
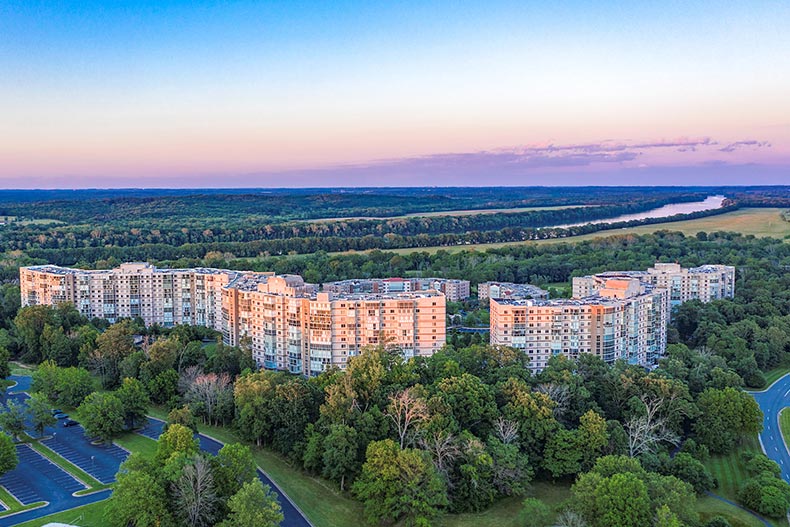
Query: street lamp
(55,436)
(92,458)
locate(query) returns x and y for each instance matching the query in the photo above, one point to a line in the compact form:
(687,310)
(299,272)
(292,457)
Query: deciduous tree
(8,457)
(102,416)
(194,494)
(253,505)
(406,409)
(40,411)
(398,484)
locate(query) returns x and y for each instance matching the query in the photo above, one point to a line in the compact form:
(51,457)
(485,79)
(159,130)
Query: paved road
(292,517)
(771,402)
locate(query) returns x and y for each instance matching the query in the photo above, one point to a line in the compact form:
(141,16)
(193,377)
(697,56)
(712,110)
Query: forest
(414,440)
(94,231)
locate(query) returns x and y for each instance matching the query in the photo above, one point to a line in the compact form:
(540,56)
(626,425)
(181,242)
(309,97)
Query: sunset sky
(252,94)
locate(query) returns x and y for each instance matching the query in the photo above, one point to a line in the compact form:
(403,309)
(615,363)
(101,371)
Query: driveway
(292,516)
(771,402)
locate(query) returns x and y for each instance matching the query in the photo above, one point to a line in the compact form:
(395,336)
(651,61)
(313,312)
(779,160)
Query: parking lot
(36,479)
(100,461)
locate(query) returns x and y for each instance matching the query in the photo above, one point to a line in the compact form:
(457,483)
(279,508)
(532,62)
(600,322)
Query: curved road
(292,515)
(771,402)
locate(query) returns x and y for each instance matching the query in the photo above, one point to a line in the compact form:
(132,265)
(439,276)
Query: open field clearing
(758,222)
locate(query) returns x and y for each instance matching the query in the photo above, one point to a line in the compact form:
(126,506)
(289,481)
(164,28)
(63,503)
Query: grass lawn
(17,368)
(13,505)
(766,222)
(505,512)
(86,516)
(771,376)
(784,424)
(137,443)
(729,471)
(41,221)
(708,508)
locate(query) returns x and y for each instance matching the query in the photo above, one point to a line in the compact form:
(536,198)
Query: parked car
(61,416)
(69,422)
(56,411)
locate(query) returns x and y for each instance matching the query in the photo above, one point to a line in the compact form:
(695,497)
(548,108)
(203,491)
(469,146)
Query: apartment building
(290,325)
(704,283)
(159,296)
(301,331)
(626,319)
(454,290)
(488,290)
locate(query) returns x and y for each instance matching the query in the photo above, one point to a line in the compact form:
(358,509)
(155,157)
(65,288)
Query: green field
(771,376)
(758,222)
(137,443)
(729,471)
(709,508)
(86,516)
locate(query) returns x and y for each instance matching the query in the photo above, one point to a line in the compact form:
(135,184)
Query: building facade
(704,283)
(626,319)
(488,290)
(166,297)
(454,290)
(289,324)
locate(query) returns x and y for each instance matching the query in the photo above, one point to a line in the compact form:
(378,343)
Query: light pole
(92,457)
(55,437)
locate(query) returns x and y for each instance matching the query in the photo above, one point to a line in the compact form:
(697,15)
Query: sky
(167,93)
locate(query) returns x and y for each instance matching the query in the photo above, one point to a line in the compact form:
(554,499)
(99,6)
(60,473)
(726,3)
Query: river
(709,203)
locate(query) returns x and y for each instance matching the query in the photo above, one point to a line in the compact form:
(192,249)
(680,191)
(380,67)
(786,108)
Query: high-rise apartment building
(305,332)
(488,290)
(289,324)
(626,319)
(159,296)
(454,290)
(704,283)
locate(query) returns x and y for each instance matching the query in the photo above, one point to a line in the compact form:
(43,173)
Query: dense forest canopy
(175,226)
(466,427)
(470,425)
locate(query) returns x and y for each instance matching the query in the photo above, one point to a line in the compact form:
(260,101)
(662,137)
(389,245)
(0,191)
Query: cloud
(732,147)
(537,156)
(546,163)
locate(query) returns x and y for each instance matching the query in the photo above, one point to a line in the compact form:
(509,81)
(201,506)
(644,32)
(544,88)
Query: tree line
(304,245)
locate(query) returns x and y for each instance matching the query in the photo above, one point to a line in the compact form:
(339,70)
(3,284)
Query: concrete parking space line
(99,461)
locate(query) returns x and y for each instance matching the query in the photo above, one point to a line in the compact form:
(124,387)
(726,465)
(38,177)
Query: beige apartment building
(289,324)
(302,331)
(166,297)
(704,283)
(626,319)
(454,290)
